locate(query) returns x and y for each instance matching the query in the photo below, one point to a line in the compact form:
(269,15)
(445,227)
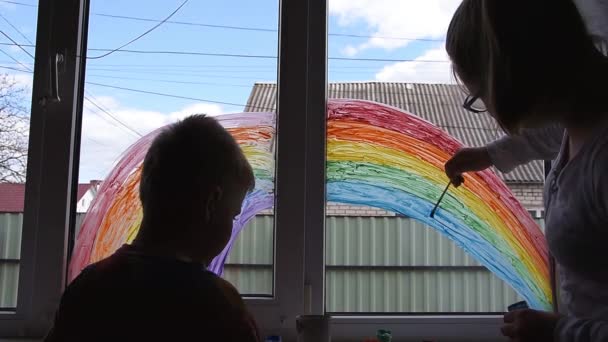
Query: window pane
(204,59)
(385,173)
(17,21)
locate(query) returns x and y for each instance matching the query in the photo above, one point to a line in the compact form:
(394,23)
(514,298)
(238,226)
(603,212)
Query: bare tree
(14,130)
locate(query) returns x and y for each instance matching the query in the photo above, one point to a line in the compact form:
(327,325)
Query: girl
(537,72)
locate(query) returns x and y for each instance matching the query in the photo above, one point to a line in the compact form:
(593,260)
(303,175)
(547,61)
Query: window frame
(50,187)
(299,244)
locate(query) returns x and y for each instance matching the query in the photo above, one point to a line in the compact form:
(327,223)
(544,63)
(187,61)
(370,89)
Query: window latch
(56,63)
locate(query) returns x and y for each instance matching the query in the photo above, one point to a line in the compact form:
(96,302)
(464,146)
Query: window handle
(56,63)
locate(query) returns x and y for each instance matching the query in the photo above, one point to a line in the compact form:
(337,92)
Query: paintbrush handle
(440,198)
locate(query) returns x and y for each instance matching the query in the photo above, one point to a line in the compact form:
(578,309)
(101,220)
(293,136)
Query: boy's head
(193,183)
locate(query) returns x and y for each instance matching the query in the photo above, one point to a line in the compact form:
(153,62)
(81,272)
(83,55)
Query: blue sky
(223,79)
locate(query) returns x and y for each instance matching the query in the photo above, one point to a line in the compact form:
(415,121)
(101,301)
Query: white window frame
(299,253)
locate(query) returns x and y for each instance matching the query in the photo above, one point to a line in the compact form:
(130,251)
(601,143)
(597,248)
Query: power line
(17,44)
(259,29)
(16,29)
(192,74)
(194,53)
(185,65)
(22,45)
(86,97)
(171,81)
(143,34)
(110,115)
(143,68)
(112,123)
(15,69)
(18,3)
(168,52)
(240,28)
(16,61)
(176,96)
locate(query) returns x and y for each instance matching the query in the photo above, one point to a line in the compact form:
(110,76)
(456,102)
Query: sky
(220,84)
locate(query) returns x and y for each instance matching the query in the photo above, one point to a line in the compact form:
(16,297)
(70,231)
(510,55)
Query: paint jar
(384,335)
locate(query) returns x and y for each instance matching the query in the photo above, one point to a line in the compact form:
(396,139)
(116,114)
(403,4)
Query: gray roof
(440,104)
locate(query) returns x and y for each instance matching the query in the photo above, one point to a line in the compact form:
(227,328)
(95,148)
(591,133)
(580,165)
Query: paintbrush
(440,198)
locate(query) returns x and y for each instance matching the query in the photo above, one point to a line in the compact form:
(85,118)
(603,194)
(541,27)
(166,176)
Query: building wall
(530,195)
(337,209)
(379,264)
(10,253)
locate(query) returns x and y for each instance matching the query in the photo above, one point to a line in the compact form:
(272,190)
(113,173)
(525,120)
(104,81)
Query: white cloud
(197,108)
(418,71)
(24,80)
(395,18)
(350,51)
(104,139)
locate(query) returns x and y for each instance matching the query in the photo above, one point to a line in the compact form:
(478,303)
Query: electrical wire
(110,115)
(170,81)
(240,28)
(17,44)
(143,34)
(18,3)
(91,99)
(16,29)
(16,60)
(211,54)
(176,96)
(95,111)
(15,69)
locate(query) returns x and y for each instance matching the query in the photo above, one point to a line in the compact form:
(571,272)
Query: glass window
(205,59)
(17,48)
(390,82)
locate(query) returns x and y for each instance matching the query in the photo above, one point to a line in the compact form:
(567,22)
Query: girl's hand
(465,160)
(530,325)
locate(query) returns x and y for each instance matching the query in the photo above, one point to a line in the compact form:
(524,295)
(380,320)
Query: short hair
(186,161)
(518,53)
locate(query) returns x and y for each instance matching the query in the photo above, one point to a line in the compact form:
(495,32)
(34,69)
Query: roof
(12,195)
(440,104)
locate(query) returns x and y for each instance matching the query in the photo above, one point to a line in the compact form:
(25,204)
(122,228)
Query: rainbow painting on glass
(377,156)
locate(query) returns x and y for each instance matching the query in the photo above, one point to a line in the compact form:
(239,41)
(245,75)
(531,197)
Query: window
(223,52)
(328,244)
(378,261)
(17,23)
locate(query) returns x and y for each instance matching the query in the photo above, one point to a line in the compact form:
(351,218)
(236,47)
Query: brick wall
(530,196)
(335,209)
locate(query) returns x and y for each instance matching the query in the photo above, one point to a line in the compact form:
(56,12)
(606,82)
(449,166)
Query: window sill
(419,328)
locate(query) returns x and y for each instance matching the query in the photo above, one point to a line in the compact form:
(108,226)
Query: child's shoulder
(228,290)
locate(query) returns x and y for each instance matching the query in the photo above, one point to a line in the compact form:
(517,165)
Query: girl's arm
(532,144)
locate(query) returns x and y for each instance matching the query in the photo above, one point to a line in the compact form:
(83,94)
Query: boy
(193,183)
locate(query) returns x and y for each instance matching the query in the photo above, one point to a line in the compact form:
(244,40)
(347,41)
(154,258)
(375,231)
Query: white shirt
(576,206)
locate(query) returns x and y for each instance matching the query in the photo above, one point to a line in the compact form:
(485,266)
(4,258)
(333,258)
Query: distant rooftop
(12,195)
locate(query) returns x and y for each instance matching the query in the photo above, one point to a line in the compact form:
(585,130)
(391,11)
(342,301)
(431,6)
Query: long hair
(517,55)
